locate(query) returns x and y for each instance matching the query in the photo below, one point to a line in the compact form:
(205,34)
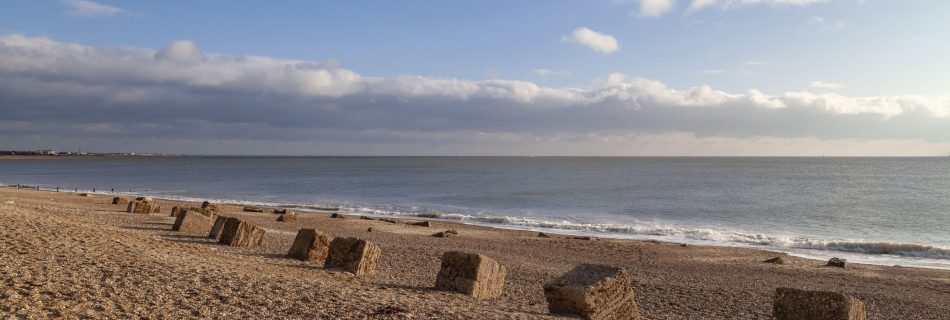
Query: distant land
(9,154)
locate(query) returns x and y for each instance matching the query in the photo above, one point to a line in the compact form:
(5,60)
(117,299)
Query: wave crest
(695,234)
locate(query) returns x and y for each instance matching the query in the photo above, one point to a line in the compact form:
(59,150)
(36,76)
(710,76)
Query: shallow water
(874,210)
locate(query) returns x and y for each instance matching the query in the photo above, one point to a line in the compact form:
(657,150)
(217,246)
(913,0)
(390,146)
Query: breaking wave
(688,234)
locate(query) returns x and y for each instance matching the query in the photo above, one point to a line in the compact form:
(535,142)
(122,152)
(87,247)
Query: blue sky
(852,58)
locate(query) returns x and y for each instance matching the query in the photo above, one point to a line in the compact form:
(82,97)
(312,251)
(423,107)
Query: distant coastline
(86,156)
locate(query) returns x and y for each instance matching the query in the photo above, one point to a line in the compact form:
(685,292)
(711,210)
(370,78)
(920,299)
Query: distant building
(47,152)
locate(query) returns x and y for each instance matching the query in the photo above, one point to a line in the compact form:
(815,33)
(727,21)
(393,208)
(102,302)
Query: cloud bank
(181,99)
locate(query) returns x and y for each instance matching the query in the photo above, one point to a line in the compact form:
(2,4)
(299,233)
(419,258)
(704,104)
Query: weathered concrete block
(140,207)
(119,200)
(241,234)
(593,292)
(192,222)
(420,223)
(144,199)
(217,227)
(310,245)
(473,274)
(286,217)
(795,304)
(354,255)
(209,205)
(175,211)
(253,209)
(836,262)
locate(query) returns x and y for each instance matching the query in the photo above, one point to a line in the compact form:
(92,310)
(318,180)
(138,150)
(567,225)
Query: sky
(532,78)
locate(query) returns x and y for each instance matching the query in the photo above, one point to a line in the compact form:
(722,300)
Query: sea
(886,211)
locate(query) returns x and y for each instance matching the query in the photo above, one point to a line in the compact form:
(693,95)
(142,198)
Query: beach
(71,256)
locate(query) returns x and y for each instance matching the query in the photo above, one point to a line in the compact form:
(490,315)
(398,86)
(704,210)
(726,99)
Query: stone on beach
(593,292)
(289,216)
(473,274)
(282,211)
(239,233)
(192,222)
(253,209)
(337,216)
(119,200)
(446,233)
(543,235)
(354,255)
(85,195)
(795,304)
(835,262)
(776,260)
(144,199)
(217,227)
(310,245)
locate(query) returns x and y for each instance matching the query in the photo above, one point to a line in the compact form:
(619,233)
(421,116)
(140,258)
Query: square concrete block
(119,200)
(310,245)
(473,274)
(217,227)
(795,304)
(593,292)
(192,222)
(354,255)
(140,207)
(238,233)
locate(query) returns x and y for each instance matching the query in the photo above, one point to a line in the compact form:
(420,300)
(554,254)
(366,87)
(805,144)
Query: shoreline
(878,259)
(671,281)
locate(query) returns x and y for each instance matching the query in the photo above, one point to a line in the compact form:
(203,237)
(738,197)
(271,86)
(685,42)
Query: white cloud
(712,71)
(179,93)
(88,8)
(655,8)
(600,42)
(825,85)
(697,5)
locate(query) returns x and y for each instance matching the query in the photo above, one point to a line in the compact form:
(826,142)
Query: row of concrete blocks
(589,291)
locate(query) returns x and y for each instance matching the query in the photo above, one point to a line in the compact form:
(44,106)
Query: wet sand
(62,255)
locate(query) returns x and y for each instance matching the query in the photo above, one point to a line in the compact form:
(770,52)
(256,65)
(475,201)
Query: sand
(62,255)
